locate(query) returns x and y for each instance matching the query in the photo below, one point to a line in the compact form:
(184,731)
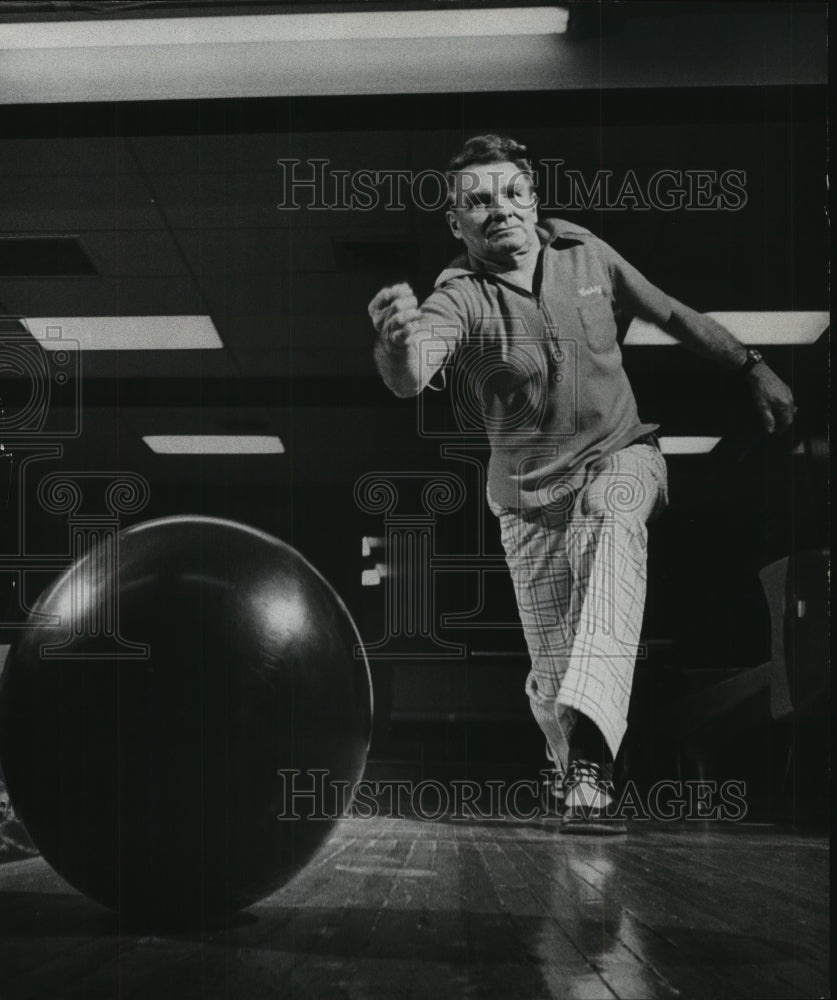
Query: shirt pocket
(599,324)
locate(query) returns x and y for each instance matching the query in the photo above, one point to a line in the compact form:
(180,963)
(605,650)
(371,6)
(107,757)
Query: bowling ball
(177,696)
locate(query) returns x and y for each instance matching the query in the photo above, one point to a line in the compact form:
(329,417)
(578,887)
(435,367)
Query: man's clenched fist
(773,399)
(395,314)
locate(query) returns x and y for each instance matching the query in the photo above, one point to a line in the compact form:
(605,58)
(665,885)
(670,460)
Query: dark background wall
(175,205)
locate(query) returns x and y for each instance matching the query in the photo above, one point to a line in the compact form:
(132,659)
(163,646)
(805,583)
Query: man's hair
(482,149)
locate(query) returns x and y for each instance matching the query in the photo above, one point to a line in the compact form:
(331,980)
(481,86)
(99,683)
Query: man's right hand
(395,314)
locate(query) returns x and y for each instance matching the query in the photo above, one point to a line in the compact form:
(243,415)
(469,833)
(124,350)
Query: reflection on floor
(397,908)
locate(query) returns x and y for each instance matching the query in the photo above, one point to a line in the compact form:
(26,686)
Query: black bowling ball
(151,782)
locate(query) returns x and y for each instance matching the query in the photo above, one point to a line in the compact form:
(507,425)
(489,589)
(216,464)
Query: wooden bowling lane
(395,908)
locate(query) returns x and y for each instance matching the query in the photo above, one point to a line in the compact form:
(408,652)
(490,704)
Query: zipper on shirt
(556,353)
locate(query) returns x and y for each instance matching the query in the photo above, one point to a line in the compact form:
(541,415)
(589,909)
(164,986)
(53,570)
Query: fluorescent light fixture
(758,328)
(774,327)
(214,444)
(369,578)
(124,333)
(687,445)
(354,26)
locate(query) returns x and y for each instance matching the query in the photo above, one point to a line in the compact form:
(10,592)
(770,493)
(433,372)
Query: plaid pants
(578,566)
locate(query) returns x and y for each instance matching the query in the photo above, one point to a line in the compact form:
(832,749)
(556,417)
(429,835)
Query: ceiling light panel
(687,445)
(125,333)
(359,26)
(759,328)
(214,444)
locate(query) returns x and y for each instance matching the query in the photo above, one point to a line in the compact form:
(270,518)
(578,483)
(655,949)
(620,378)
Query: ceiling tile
(258,201)
(268,251)
(201,152)
(282,362)
(158,364)
(211,419)
(66,155)
(74,204)
(246,152)
(138,253)
(104,296)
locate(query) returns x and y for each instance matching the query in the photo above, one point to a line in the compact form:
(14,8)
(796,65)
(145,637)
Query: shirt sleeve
(448,317)
(632,291)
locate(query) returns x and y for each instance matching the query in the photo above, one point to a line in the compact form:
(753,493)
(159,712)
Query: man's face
(495,212)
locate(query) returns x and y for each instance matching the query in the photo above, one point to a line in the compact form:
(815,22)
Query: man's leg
(606,543)
(536,555)
(606,546)
(580,588)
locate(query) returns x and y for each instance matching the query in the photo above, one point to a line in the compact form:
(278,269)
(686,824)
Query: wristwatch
(753,358)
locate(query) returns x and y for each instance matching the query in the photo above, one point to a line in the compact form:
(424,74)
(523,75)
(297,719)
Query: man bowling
(530,310)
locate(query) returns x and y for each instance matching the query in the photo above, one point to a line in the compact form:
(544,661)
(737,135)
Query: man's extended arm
(413,343)
(398,365)
(704,336)
(395,315)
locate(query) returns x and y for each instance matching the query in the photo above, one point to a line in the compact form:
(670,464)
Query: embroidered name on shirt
(592,290)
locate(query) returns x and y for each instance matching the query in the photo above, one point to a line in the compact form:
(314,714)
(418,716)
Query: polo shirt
(541,371)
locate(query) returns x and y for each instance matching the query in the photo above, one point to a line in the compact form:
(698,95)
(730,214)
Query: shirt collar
(551,232)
